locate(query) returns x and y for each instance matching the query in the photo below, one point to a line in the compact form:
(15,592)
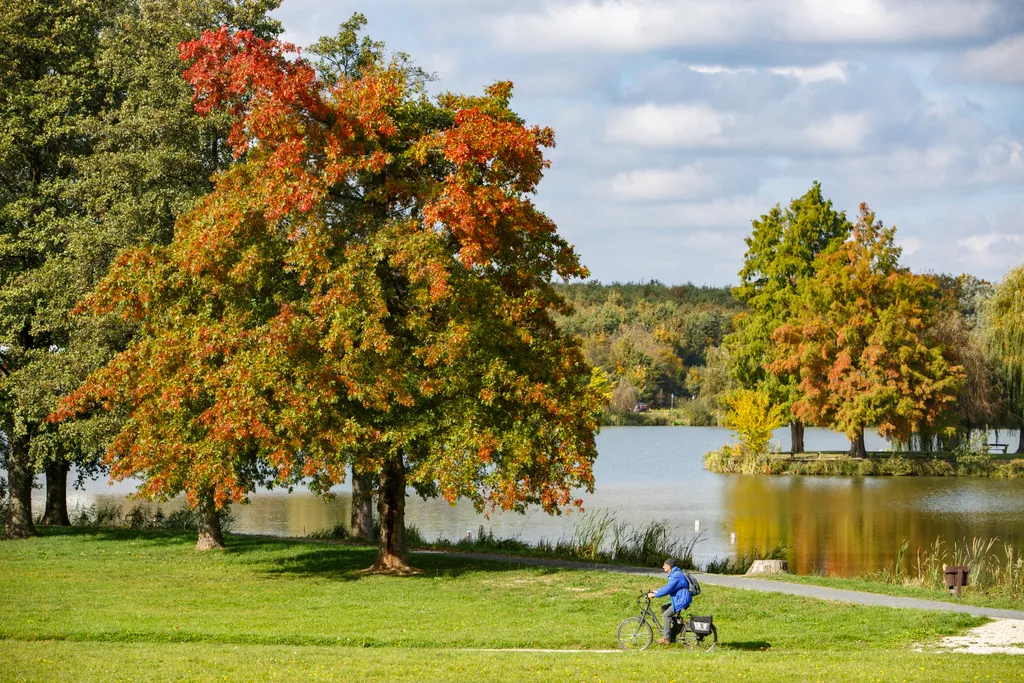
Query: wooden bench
(1001,447)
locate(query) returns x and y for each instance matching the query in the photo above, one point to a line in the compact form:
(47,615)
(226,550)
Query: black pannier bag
(701,625)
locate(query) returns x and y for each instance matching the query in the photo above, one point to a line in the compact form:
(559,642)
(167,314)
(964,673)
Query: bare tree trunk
(19,477)
(796,433)
(56,511)
(1020,445)
(857,449)
(362,507)
(392,555)
(208,522)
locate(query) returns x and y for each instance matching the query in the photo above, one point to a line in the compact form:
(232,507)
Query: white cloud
(955,238)
(910,245)
(835,70)
(719,69)
(656,184)
(838,132)
(1001,62)
(637,25)
(990,251)
(813,74)
(943,166)
(701,127)
(1001,160)
(881,21)
(652,125)
(979,243)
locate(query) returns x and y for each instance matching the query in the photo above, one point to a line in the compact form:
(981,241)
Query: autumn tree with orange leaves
(369,287)
(862,345)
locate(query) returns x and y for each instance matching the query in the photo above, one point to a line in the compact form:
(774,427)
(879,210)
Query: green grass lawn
(120,605)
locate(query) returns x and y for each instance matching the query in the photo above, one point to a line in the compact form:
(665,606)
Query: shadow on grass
(151,536)
(345,563)
(286,556)
(746,645)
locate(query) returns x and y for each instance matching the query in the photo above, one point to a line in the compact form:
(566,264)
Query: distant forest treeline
(662,344)
(657,343)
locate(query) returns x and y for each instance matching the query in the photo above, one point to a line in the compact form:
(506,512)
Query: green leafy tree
(136,157)
(1004,332)
(49,85)
(781,254)
(345,56)
(860,341)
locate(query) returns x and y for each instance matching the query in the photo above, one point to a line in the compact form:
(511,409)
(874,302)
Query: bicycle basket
(701,625)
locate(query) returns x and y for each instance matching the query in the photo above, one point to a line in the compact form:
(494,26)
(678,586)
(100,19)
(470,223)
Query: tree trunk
(1020,445)
(796,434)
(56,511)
(19,478)
(392,556)
(208,522)
(857,449)
(362,507)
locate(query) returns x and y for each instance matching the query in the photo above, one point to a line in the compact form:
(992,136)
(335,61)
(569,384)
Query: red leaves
(250,78)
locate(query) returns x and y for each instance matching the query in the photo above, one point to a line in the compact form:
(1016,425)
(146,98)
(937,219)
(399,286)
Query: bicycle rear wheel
(693,641)
(634,634)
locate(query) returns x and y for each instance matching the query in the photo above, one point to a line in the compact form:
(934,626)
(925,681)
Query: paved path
(765,585)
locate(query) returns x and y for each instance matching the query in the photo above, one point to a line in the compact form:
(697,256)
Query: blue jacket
(678,587)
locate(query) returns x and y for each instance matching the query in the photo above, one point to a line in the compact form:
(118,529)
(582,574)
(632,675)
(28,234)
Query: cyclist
(678,586)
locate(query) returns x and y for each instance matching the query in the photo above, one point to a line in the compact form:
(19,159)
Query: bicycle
(637,633)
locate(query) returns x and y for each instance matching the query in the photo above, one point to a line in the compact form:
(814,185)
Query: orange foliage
(860,342)
(370,280)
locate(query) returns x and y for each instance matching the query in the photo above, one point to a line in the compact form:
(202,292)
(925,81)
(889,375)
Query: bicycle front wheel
(634,634)
(692,641)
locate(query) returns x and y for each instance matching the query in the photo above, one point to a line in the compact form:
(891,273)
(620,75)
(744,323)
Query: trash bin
(956,578)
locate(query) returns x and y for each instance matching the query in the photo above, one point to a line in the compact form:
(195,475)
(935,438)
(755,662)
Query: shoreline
(880,464)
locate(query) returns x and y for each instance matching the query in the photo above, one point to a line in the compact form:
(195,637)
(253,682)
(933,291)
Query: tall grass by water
(143,517)
(602,538)
(596,537)
(994,568)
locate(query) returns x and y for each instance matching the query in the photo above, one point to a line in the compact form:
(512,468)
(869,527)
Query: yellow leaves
(602,384)
(753,418)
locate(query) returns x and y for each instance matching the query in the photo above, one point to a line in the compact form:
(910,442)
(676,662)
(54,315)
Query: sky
(679,122)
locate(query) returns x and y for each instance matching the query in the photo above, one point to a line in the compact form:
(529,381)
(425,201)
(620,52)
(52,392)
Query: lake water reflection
(842,525)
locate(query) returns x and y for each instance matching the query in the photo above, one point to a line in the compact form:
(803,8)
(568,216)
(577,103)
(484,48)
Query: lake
(643,474)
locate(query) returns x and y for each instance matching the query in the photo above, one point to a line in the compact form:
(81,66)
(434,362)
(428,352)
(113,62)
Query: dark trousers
(666,619)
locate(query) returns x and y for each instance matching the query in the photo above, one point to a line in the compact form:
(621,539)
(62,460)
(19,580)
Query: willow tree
(861,342)
(1004,327)
(370,286)
(780,256)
